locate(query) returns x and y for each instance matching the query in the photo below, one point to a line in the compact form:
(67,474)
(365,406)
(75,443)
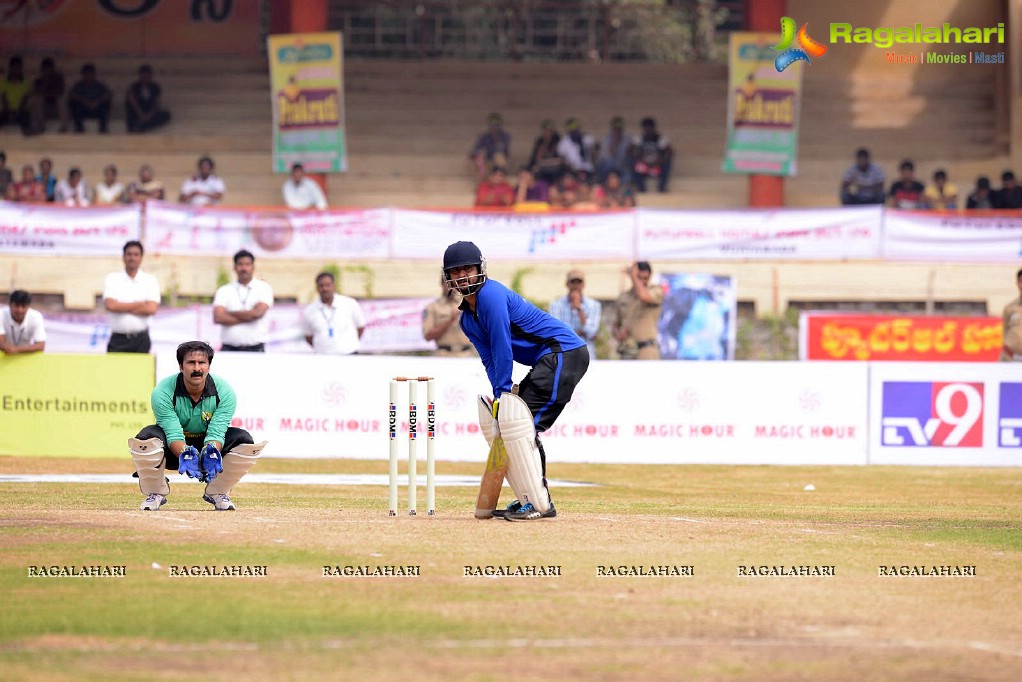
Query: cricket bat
(492,481)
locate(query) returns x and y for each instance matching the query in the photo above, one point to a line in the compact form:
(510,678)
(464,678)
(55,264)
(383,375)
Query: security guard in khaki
(440,324)
(636,314)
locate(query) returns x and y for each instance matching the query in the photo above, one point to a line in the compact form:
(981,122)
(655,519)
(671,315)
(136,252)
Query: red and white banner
(980,237)
(392,325)
(839,336)
(748,413)
(824,234)
(868,232)
(35,230)
(185,230)
(507,235)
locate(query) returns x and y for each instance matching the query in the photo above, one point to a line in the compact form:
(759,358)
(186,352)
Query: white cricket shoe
(153,502)
(220,502)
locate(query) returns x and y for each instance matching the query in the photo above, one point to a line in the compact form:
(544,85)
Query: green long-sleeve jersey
(180,418)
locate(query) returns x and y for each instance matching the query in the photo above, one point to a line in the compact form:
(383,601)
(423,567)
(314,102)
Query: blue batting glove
(211,462)
(189,463)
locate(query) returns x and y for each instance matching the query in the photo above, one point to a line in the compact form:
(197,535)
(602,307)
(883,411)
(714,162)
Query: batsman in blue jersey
(505,328)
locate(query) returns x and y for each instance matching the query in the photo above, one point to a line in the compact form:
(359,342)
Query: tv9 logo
(932,414)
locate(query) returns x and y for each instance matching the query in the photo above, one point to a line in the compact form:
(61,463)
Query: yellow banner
(307,80)
(55,405)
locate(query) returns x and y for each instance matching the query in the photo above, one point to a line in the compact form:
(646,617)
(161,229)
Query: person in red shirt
(29,190)
(495,191)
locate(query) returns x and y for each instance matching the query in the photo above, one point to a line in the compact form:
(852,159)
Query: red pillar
(765,191)
(310,16)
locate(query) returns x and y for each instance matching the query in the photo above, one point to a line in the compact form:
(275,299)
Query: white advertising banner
(747,413)
(945,413)
(507,235)
(34,230)
(184,230)
(824,234)
(990,237)
(392,325)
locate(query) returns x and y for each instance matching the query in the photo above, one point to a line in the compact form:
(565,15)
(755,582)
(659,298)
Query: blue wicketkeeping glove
(211,462)
(189,463)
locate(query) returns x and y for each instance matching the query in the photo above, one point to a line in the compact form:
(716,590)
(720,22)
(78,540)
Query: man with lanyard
(193,410)
(241,308)
(132,298)
(333,324)
(21,328)
(505,328)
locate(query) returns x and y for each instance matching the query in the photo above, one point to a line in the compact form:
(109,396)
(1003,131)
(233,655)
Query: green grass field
(294,623)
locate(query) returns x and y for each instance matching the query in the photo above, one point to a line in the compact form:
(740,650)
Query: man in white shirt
(132,298)
(241,308)
(21,328)
(333,324)
(578,311)
(204,189)
(301,192)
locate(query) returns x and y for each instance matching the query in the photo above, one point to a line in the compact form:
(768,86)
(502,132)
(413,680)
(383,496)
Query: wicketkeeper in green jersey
(193,426)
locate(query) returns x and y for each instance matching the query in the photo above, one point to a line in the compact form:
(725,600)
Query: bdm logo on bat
(932,414)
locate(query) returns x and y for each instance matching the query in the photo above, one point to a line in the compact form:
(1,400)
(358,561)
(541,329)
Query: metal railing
(661,31)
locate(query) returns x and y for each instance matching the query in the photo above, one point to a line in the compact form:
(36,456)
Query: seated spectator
(29,190)
(530,189)
(1010,194)
(14,91)
(89,98)
(142,103)
(565,193)
(615,153)
(203,189)
(492,147)
(578,149)
(146,187)
(302,192)
(46,102)
(587,197)
(613,193)
(863,183)
(941,195)
(74,191)
(47,177)
(110,191)
(653,157)
(495,191)
(544,161)
(982,196)
(6,177)
(906,192)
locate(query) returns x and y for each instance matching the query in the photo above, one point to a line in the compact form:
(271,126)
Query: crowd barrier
(851,233)
(818,413)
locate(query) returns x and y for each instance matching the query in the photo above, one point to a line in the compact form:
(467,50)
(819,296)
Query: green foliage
(367,274)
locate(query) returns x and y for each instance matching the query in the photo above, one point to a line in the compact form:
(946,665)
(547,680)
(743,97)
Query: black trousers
(233,436)
(548,386)
(257,348)
(129,343)
(80,112)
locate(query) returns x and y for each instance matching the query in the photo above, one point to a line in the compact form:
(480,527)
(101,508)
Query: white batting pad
(487,424)
(525,469)
(237,463)
(150,465)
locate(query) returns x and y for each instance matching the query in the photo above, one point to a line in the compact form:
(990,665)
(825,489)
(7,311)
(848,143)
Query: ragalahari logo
(807,46)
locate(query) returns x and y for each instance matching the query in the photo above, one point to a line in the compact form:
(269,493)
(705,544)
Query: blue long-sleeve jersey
(505,328)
